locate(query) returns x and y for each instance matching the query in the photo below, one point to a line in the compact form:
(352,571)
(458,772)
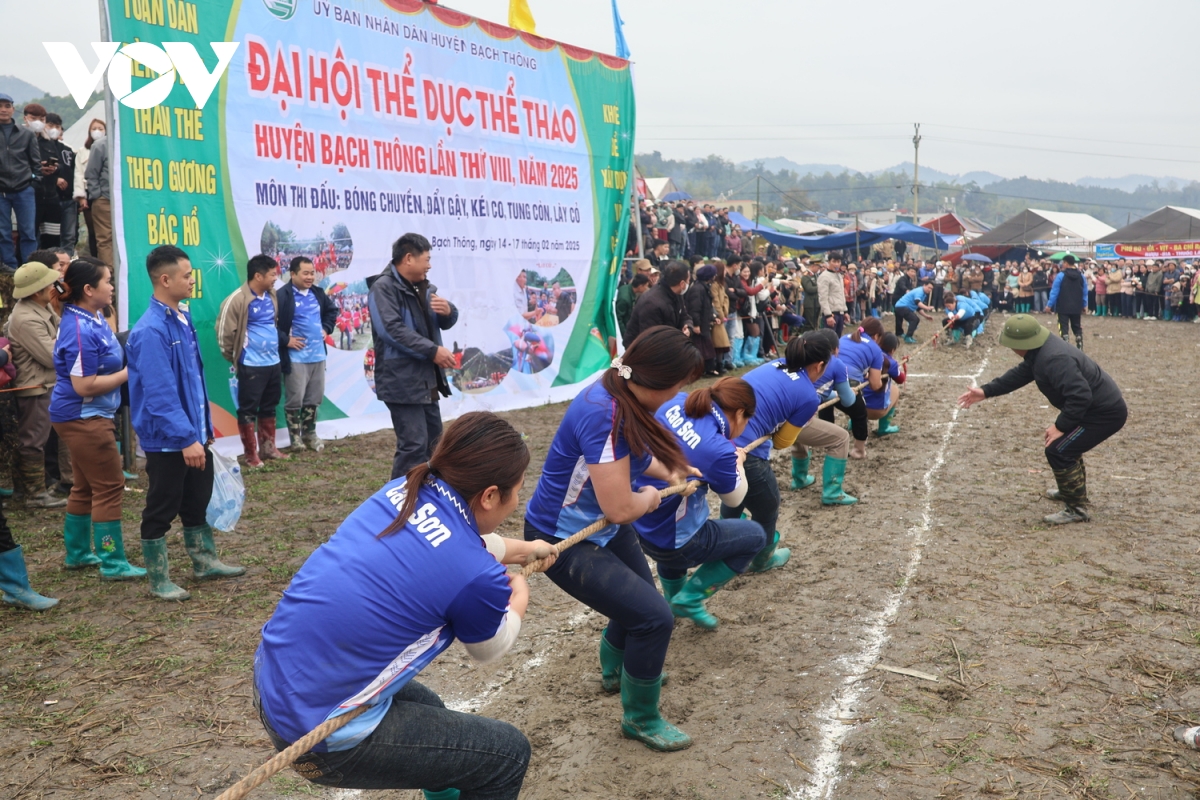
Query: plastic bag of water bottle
(228,495)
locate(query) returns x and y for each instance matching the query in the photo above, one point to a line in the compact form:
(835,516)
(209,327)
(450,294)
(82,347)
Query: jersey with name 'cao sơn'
(705,442)
(366,613)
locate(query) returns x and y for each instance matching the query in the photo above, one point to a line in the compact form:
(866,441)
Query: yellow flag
(520,17)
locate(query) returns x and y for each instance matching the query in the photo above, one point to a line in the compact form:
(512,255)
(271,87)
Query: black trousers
(1071,320)
(176,490)
(259,390)
(938,293)
(6,538)
(857,414)
(907,315)
(967,325)
(418,426)
(1066,450)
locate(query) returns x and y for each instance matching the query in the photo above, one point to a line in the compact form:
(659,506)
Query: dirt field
(1064,657)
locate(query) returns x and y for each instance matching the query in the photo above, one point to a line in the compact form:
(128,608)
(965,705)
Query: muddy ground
(1064,657)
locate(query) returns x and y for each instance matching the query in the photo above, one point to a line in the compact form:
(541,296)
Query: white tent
(660,187)
(805,228)
(75,136)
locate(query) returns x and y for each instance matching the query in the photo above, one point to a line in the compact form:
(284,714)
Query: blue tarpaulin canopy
(905,231)
(673,196)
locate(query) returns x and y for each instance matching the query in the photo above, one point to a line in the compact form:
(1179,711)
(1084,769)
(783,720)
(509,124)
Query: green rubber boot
(154,553)
(641,719)
(671,587)
(444,794)
(77,536)
(886,426)
(770,557)
(800,477)
(831,478)
(110,546)
(295,428)
(205,564)
(611,663)
(702,585)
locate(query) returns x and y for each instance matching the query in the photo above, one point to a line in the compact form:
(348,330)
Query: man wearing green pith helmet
(1090,406)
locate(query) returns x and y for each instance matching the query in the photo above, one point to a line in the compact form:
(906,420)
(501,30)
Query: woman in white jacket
(95,128)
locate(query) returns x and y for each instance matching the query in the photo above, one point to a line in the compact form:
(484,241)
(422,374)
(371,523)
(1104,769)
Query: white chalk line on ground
(827,764)
(472,705)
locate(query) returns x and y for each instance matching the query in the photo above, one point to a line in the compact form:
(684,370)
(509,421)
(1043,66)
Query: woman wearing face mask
(96,132)
(1024,291)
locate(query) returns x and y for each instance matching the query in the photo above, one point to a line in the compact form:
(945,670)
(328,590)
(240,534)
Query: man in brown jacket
(32,330)
(249,340)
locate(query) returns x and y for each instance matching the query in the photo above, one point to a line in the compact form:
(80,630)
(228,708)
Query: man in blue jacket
(407,320)
(169,407)
(1069,295)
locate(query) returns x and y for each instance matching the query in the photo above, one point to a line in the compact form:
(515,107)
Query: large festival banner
(340,126)
(1110,252)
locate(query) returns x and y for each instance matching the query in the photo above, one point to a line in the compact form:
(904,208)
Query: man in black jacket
(662,305)
(1069,295)
(407,320)
(905,284)
(1090,406)
(306,317)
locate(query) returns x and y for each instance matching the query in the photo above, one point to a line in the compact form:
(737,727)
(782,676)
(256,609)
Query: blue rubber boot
(444,794)
(886,426)
(909,340)
(705,581)
(831,490)
(750,351)
(77,536)
(14,583)
(800,477)
(770,557)
(642,720)
(110,546)
(736,353)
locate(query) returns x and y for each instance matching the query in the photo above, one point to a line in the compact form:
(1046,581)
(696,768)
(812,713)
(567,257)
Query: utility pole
(757,192)
(916,172)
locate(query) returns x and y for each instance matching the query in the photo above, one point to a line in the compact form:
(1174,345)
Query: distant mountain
(1131,183)
(21,91)
(777,164)
(931,175)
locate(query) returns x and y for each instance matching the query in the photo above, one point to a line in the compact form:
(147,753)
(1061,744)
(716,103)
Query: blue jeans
(762,498)
(1039,299)
(616,581)
(734,541)
(420,744)
(24,203)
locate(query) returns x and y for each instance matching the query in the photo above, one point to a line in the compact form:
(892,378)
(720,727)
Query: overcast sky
(1050,89)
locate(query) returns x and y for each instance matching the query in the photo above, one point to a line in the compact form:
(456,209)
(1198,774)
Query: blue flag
(618,29)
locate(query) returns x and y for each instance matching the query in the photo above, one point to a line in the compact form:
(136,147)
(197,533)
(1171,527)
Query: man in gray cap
(1090,406)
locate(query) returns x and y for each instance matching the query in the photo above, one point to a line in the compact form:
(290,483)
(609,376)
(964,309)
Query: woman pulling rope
(608,439)
(407,573)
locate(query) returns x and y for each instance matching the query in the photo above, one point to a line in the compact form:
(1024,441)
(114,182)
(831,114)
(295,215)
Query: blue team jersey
(964,304)
(307,325)
(834,374)
(85,346)
(780,396)
(564,501)
(911,299)
(860,356)
(365,614)
(705,442)
(982,301)
(261,345)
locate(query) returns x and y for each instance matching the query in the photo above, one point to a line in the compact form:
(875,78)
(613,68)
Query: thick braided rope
(284,758)
(595,527)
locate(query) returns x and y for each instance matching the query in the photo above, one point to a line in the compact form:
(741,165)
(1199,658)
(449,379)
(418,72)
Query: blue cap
(4,97)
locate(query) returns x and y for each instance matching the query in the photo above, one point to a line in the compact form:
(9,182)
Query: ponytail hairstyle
(83,271)
(730,393)
(806,350)
(660,358)
(477,450)
(870,326)
(888,345)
